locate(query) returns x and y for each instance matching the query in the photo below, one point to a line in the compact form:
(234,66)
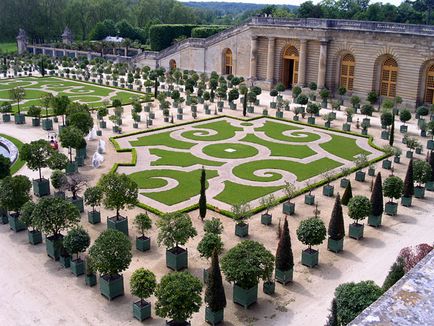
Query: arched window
(228,62)
(172,64)
(429,86)
(389,77)
(347,72)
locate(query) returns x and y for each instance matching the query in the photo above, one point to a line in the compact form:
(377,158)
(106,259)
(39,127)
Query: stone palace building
(392,59)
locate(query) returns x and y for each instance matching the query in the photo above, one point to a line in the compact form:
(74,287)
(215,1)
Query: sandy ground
(37,291)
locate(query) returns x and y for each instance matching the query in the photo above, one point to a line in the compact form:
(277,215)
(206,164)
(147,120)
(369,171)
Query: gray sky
(292,2)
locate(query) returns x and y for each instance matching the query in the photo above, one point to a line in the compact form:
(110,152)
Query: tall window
(389,77)
(347,72)
(429,86)
(172,64)
(228,62)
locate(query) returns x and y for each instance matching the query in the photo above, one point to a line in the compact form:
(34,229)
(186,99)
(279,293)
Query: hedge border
(258,208)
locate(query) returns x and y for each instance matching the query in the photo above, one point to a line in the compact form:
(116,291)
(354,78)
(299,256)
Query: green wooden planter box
(309,199)
(371,172)
(250,109)
(279,114)
(296,118)
(374,220)
(53,246)
(335,245)
(418,150)
(327,124)
(120,224)
(6,117)
(4,219)
(141,312)
(77,202)
(90,280)
(356,231)
(111,288)
(135,125)
(429,186)
(346,127)
(288,208)
(269,288)
(406,201)
(151,115)
(365,132)
(403,129)
(214,317)
(102,124)
(391,208)
(309,257)
(99,132)
(328,190)
(94,217)
(20,119)
(15,224)
(179,116)
(273,105)
(349,119)
(283,277)
(387,164)
(266,219)
(430,144)
(71,167)
(41,187)
(35,237)
(177,260)
(143,243)
(396,159)
(65,261)
(241,230)
(385,135)
(360,176)
(79,160)
(36,122)
(344,182)
(77,267)
(367,121)
(245,297)
(311,120)
(265,112)
(419,192)
(47,124)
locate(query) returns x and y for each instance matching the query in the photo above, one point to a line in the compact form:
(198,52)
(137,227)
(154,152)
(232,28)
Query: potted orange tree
(359,207)
(311,232)
(142,284)
(143,223)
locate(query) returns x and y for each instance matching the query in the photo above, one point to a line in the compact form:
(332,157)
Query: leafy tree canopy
(175,229)
(15,192)
(143,283)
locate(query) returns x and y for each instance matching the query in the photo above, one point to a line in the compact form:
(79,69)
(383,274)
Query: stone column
(270,59)
(253,57)
(322,67)
(302,63)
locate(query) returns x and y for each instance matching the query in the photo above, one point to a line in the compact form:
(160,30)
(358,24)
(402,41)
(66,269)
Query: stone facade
(258,48)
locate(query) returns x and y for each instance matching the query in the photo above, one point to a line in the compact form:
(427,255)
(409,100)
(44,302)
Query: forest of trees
(88,19)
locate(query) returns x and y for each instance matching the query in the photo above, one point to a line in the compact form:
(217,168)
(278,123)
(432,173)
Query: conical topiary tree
(408,190)
(336,228)
(430,183)
(392,133)
(348,194)
(284,256)
(202,198)
(215,293)
(377,209)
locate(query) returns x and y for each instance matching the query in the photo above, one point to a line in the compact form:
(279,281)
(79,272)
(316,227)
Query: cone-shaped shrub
(336,229)
(348,194)
(284,257)
(202,198)
(377,197)
(215,292)
(409,182)
(392,133)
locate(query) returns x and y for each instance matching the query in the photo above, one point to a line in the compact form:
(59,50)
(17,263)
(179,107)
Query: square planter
(53,245)
(403,129)
(6,117)
(79,160)
(419,150)
(430,144)
(356,231)
(135,125)
(327,124)
(349,119)
(391,208)
(346,127)
(179,116)
(406,201)
(47,124)
(65,261)
(429,186)
(213,317)
(311,120)
(71,167)
(335,245)
(241,230)
(41,187)
(364,132)
(409,154)
(288,208)
(120,224)
(269,288)
(309,257)
(396,159)
(387,164)
(283,277)
(15,224)
(177,258)
(90,280)
(36,122)
(250,109)
(279,114)
(111,287)
(344,183)
(20,119)
(77,267)
(77,202)
(35,237)
(141,310)
(419,192)
(266,219)
(360,176)
(374,220)
(296,118)
(273,105)
(102,124)
(309,199)
(385,135)
(99,132)
(245,297)
(367,122)
(143,243)
(328,190)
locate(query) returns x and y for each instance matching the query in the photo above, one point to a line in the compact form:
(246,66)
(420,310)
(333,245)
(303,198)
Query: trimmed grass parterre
(223,129)
(249,192)
(230,150)
(338,143)
(18,164)
(275,130)
(181,159)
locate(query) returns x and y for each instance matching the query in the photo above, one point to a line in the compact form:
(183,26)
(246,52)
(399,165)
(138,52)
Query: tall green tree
(377,196)
(284,256)
(408,190)
(215,292)
(336,229)
(202,198)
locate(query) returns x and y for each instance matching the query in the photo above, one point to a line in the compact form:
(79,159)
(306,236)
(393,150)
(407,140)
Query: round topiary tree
(244,265)
(142,284)
(93,197)
(57,161)
(422,174)
(143,222)
(71,137)
(14,193)
(111,255)
(241,213)
(76,241)
(359,207)
(392,188)
(174,300)
(404,115)
(5,167)
(311,232)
